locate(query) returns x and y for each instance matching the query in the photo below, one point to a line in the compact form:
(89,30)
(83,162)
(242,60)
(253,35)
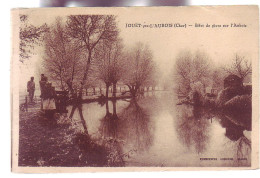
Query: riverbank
(59,141)
(130,133)
(44,142)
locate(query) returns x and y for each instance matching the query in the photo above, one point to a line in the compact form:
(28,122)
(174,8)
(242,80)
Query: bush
(227,94)
(239,103)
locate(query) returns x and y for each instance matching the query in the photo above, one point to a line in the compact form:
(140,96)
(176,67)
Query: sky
(220,43)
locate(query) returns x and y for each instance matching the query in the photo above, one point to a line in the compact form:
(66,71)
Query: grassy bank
(59,141)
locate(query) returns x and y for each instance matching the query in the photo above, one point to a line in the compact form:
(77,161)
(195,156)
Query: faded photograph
(135,87)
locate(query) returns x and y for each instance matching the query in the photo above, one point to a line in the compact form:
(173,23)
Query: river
(153,131)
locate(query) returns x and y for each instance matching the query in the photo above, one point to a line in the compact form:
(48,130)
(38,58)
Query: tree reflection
(78,105)
(135,128)
(109,123)
(193,127)
(121,136)
(109,132)
(131,126)
(235,125)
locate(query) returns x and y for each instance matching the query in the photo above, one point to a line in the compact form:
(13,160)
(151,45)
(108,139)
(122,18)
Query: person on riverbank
(31,89)
(42,83)
(48,100)
(48,96)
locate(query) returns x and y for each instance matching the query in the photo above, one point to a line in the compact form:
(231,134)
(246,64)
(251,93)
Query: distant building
(211,90)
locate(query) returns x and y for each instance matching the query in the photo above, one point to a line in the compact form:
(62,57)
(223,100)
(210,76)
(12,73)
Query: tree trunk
(114,90)
(62,86)
(107,109)
(114,107)
(107,88)
(72,111)
(137,87)
(84,77)
(133,90)
(94,91)
(82,119)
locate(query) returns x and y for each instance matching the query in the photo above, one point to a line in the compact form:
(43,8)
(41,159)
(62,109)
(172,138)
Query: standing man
(31,89)
(43,82)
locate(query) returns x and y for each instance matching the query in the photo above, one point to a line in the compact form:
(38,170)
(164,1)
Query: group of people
(47,93)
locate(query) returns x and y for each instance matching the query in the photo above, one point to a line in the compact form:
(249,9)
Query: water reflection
(109,124)
(197,130)
(154,131)
(134,126)
(130,127)
(109,132)
(193,127)
(236,124)
(234,128)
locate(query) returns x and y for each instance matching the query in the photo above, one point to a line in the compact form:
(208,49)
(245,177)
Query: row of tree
(197,69)
(82,51)
(86,51)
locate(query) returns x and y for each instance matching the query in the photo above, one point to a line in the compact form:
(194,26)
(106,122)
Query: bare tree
(62,56)
(218,77)
(240,66)
(109,62)
(89,31)
(183,66)
(191,69)
(140,67)
(29,37)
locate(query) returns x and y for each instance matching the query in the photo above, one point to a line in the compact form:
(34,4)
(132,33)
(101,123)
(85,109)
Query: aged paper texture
(135,89)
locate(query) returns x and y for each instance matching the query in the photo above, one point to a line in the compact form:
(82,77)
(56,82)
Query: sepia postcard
(135,89)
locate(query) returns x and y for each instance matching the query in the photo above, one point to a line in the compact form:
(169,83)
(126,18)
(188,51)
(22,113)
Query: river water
(154,131)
